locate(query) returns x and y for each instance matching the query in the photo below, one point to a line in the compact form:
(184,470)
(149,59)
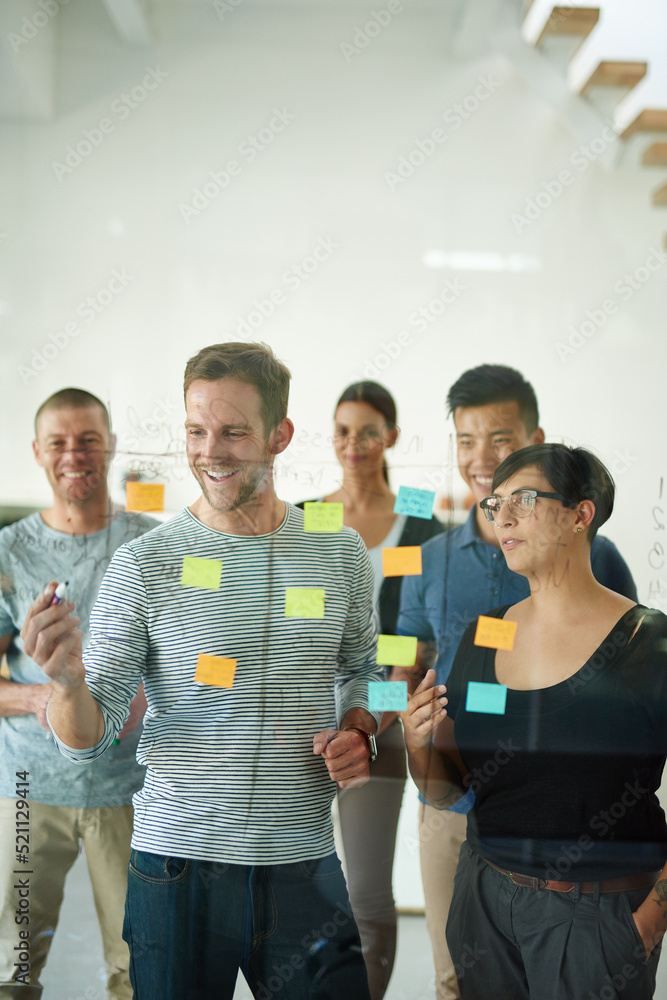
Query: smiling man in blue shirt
(464,574)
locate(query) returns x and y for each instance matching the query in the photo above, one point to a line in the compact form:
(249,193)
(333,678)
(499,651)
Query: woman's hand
(424,713)
(651,917)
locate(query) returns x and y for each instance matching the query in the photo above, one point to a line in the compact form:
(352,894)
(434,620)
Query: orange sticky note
(405,560)
(215,670)
(144,496)
(495,633)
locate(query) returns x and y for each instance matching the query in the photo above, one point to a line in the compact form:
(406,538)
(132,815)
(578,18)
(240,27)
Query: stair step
(570,21)
(659,197)
(615,74)
(655,155)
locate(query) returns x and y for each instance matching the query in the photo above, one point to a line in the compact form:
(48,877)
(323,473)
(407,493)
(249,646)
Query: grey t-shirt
(32,554)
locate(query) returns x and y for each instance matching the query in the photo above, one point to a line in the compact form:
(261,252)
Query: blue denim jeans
(191,925)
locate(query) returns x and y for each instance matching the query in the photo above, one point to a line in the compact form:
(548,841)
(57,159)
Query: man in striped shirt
(233,862)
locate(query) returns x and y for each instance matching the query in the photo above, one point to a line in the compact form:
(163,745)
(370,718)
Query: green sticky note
(322,516)
(387,696)
(397,650)
(482,697)
(304,602)
(203,573)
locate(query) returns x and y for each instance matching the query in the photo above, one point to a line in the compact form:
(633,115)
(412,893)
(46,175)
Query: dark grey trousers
(513,943)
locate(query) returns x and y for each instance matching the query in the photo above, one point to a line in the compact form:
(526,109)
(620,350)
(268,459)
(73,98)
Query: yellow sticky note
(405,560)
(215,670)
(304,602)
(397,650)
(203,573)
(322,516)
(144,496)
(495,633)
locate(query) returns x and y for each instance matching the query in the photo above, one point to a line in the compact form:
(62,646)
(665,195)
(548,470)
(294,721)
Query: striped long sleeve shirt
(231,775)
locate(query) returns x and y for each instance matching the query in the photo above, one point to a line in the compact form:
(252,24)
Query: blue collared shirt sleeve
(610,568)
(412,616)
(358,647)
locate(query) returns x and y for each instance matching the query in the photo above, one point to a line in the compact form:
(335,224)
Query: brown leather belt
(626,884)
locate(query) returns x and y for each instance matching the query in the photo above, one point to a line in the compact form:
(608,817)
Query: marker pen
(60,594)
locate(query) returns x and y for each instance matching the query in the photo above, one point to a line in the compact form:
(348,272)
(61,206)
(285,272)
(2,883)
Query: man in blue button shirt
(464,574)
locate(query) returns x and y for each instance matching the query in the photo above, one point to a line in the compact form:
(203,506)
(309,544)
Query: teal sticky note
(414,502)
(387,696)
(489,698)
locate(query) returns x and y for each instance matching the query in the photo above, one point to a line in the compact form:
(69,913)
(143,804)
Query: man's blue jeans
(191,925)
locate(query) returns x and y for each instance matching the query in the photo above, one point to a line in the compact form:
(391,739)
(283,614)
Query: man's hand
(345,753)
(40,700)
(25,699)
(50,636)
(424,713)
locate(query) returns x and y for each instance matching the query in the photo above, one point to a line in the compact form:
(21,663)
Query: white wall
(325,177)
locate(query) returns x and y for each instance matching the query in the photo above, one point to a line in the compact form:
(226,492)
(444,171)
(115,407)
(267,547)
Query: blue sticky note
(415,503)
(387,696)
(488,698)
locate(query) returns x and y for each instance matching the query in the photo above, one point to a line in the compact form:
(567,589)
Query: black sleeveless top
(566,779)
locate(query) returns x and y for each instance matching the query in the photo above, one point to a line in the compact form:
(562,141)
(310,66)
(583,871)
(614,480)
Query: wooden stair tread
(570,21)
(616,73)
(655,155)
(649,120)
(659,197)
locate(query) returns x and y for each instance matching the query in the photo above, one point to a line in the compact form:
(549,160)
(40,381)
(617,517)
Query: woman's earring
(578,529)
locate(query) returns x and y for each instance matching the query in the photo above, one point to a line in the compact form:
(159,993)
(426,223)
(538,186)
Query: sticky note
(405,560)
(304,602)
(416,503)
(387,696)
(488,698)
(215,670)
(322,516)
(397,650)
(144,496)
(495,633)
(203,573)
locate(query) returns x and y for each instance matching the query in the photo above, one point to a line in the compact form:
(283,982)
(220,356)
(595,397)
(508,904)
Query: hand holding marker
(59,595)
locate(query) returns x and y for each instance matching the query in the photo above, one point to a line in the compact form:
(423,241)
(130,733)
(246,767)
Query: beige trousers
(441,833)
(36,889)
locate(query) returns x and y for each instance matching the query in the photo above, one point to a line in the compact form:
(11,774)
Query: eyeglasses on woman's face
(520,502)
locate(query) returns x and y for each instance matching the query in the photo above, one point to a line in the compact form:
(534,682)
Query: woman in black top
(561,890)
(365,426)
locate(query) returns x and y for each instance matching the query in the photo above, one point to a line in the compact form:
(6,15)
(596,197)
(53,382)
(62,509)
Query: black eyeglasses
(521,503)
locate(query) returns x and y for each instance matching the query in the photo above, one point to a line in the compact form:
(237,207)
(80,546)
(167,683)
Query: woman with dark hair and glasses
(561,889)
(364,428)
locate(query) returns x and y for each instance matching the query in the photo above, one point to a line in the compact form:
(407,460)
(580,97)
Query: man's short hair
(255,364)
(77,398)
(495,384)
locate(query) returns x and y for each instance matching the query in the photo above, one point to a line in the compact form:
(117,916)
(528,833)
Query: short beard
(247,490)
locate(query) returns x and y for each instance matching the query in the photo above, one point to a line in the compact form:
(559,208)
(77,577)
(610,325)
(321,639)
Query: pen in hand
(59,595)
